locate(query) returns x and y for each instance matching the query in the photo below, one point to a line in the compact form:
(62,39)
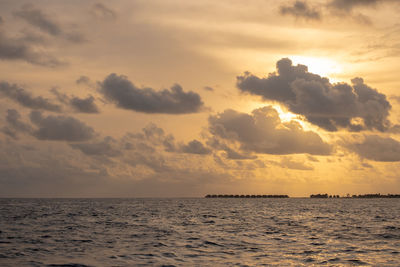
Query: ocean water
(199,232)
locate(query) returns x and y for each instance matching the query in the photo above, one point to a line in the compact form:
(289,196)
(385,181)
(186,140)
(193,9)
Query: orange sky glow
(186,98)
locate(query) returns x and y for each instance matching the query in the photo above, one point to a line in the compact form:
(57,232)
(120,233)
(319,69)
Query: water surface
(198,232)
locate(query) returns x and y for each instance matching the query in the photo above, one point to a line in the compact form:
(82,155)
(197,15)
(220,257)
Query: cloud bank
(330,106)
(262,132)
(377,148)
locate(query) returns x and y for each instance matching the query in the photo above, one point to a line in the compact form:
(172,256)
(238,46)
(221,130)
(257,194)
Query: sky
(177,98)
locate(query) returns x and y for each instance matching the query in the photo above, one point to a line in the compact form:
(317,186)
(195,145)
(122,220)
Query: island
(246,196)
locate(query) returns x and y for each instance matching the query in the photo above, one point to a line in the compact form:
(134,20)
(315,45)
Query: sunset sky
(178,98)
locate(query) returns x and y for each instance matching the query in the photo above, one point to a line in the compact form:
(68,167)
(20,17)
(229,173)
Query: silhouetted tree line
(247,196)
(356,196)
(376,196)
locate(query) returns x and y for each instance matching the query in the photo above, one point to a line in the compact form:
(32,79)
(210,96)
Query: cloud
(376,148)
(119,90)
(106,147)
(231,152)
(263,132)
(343,8)
(330,106)
(208,88)
(24,98)
(61,128)
(82,105)
(23,49)
(348,5)
(151,136)
(300,9)
(100,11)
(83,80)
(13,118)
(37,18)
(237,155)
(195,147)
(289,163)
(15,125)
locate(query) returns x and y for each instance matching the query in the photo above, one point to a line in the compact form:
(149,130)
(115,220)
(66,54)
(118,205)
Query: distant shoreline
(311,196)
(246,196)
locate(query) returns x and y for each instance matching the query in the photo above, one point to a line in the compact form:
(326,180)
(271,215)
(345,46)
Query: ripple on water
(195,232)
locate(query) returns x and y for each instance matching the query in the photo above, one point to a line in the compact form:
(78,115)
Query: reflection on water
(187,232)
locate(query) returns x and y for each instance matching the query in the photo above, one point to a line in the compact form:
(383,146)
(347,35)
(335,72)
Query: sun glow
(285,116)
(322,66)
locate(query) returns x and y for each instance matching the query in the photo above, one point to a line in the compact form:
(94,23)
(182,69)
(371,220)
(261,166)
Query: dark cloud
(195,147)
(13,118)
(15,125)
(82,105)
(100,11)
(24,98)
(348,5)
(300,9)
(23,49)
(106,147)
(208,88)
(376,148)
(119,90)
(262,132)
(60,128)
(330,106)
(39,19)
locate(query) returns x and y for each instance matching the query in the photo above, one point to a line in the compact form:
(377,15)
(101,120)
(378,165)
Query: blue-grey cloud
(300,9)
(15,125)
(39,19)
(23,49)
(82,105)
(26,99)
(119,90)
(348,5)
(106,147)
(60,128)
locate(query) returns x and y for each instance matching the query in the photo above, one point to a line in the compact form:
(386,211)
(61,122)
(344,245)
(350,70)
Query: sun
(324,67)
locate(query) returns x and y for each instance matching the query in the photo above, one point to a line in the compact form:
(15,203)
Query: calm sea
(199,232)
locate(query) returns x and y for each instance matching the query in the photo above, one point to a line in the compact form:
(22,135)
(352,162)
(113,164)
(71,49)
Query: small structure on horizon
(246,196)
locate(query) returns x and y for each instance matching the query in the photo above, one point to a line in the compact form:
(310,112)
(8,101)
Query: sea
(199,232)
